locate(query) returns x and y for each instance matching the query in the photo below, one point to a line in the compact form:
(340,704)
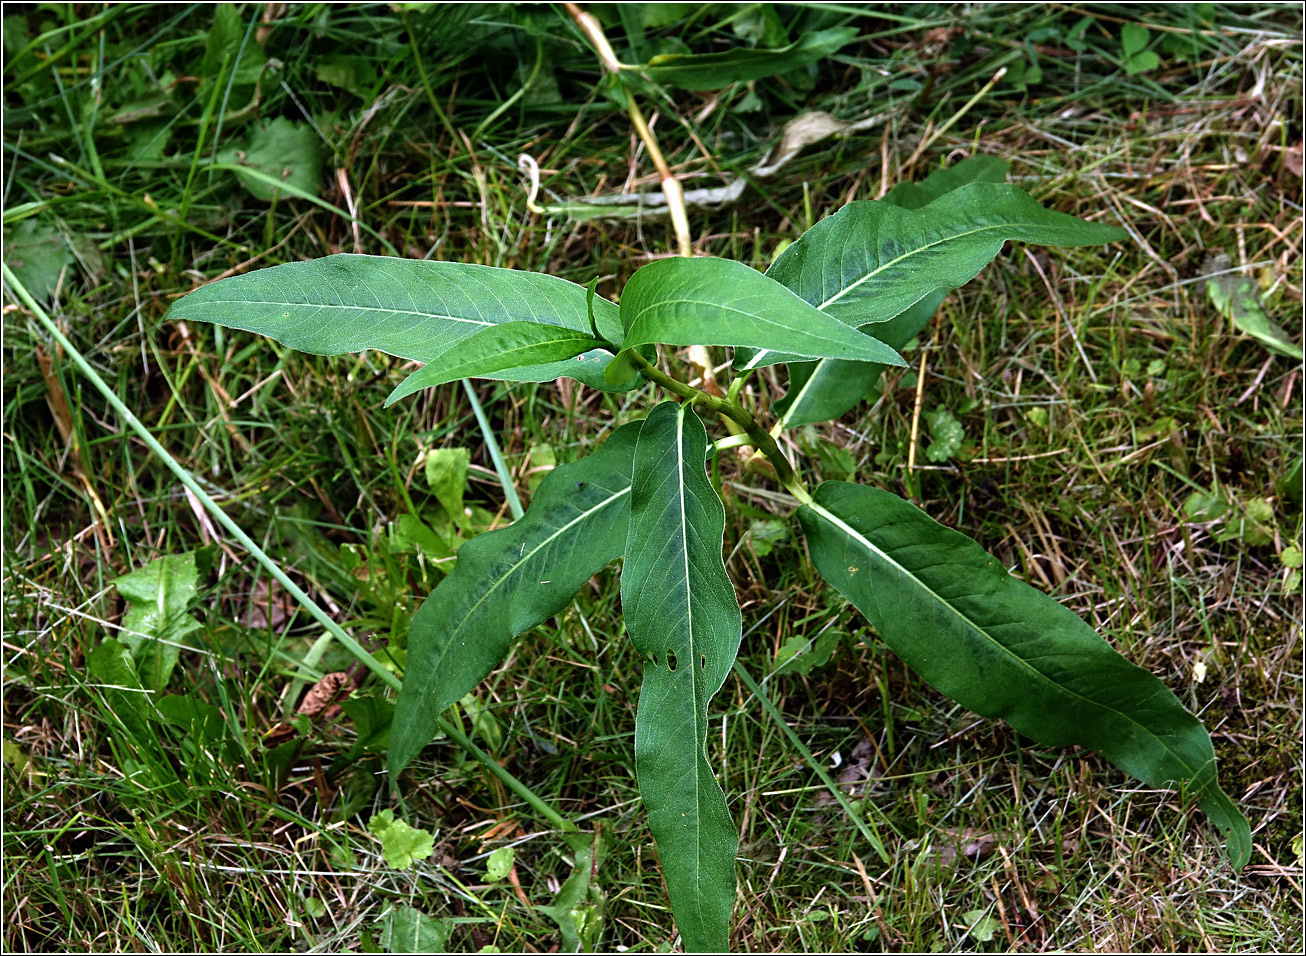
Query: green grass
(1098,389)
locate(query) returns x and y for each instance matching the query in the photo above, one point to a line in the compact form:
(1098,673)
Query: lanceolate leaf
(415,309)
(1237,299)
(823,390)
(683,619)
(514,350)
(871,260)
(999,647)
(710,301)
(975,169)
(710,71)
(508,581)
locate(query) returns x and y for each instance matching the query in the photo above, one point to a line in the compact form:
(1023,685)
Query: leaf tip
(398,393)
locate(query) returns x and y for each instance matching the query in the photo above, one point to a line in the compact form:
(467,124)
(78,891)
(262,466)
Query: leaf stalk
(671,189)
(735,412)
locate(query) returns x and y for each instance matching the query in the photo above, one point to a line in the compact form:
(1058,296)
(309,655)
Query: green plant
(834,307)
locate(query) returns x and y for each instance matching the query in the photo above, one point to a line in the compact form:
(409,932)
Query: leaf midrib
(763,320)
(349,308)
(919,250)
(521,561)
(575,337)
(700,707)
(856,535)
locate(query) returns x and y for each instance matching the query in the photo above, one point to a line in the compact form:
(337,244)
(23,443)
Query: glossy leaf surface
(684,621)
(517,351)
(415,309)
(1003,649)
(708,301)
(823,390)
(508,581)
(974,169)
(872,260)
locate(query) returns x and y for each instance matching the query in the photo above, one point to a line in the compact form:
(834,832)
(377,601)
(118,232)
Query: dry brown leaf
(267,608)
(57,400)
(1292,160)
(324,692)
(701,361)
(800,132)
(855,776)
(964,843)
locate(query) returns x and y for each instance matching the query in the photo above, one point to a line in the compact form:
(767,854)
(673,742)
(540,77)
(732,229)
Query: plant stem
(737,386)
(593,31)
(732,410)
(670,184)
(304,601)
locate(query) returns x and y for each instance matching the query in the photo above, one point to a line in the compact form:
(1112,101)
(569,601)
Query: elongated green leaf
(508,581)
(415,309)
(974,169)
(515,350)
(710,71)
(999,647)
(872,260)
(684,621)
(824,390)
(710,301)
(1237,299)
(158,618)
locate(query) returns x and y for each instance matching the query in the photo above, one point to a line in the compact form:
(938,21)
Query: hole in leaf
(702,662)
(653,659)
(671,660)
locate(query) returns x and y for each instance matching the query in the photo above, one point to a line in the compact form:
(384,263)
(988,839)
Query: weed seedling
(835,307)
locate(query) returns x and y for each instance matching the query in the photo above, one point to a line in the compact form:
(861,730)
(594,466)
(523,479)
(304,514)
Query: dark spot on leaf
(580,485)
